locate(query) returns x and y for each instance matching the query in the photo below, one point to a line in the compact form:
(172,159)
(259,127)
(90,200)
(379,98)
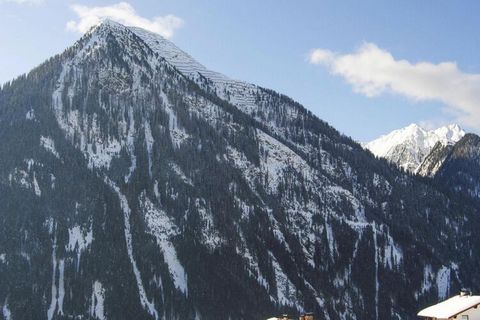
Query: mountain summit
(137,184)
(408,147)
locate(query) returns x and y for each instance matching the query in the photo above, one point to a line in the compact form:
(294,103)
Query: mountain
(456,167)
(136,184)
(434,160)
(408,147)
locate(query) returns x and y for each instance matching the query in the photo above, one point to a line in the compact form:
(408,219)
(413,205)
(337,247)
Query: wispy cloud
(125,14)
(28,2)
(373,71)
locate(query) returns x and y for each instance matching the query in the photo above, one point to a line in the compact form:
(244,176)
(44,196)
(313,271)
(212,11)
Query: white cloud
(318,56)
(29,2)
(373,71)
(125,14)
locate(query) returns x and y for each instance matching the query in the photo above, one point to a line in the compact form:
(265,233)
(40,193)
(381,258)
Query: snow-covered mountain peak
(239,93)
(408,147)
(413,126)
(110,24)
(104,25)
(161,46)
(174,55)
(450,134)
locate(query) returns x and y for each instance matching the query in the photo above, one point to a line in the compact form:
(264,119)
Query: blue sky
(379,65)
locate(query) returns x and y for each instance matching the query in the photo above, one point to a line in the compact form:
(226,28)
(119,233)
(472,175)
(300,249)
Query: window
(464,317)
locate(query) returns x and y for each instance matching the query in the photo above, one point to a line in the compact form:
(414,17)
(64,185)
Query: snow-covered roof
(450,307)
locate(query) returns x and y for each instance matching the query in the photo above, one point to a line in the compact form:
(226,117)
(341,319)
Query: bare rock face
(434,160)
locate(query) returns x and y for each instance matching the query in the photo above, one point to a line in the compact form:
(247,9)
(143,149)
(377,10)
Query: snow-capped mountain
(137,184)
(408,147)
(456,167)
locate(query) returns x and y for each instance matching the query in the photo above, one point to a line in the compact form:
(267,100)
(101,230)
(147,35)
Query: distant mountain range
(408,147)
(447,154)
(137,184)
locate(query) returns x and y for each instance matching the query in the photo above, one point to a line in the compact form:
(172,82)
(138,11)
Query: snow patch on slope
(30,115)
(443,282)
(26,177)
(79,240)
(276,159)
(130,143)
(49,145)
(330,239)
(163,229)
(101,150)
(210,235)
(179,172)
(100,153)
(61,285)
(149,141)
(392,253)
(286,291)
(177,134)
(7,314)
(254,269)
(149,306)
(36,187)
(428,277)
(97,309)
(53,302)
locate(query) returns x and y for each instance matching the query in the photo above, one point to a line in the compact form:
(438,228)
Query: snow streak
(149,306)
(53,303)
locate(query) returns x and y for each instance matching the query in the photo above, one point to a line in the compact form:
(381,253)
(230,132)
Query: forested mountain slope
(456,167)
(135,183)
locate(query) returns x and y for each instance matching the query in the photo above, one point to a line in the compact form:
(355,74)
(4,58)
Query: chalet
(461,307)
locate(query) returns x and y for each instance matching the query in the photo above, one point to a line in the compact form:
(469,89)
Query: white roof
(451,307)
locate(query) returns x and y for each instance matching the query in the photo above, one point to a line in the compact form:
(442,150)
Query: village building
(305,316)
(460,307)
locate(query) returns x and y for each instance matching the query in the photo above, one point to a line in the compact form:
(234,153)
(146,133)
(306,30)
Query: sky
(365,67)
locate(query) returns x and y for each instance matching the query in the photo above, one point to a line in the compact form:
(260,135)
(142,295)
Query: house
(282,317)
(305,316)
(460,307)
